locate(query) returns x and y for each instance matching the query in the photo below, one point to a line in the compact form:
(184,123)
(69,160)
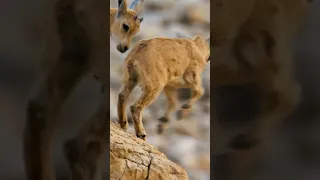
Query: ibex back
(162,64)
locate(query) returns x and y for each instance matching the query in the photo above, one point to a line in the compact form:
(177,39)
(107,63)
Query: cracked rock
(133,159)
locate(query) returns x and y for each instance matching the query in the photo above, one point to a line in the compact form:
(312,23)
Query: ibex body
(76,42)
(162,64)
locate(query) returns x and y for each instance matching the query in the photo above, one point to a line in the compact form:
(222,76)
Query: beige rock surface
(133,159)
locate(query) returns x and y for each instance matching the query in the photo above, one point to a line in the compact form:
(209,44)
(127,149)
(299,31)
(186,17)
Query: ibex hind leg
(171,94)
(123,96)
(85,152)
(196,93)
(42,110)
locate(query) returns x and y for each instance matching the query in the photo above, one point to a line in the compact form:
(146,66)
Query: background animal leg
(85,152)
(42,111)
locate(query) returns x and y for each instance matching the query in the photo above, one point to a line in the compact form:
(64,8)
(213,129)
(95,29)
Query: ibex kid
(162,64)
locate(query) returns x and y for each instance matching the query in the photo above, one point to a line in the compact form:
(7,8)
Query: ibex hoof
(164,119)
(183,113)
(186,106)
(123,125)
(243,142)
(142,136)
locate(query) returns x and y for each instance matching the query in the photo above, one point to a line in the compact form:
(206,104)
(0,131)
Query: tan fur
(251,43)
(116,29)
(162,64)
(75,43)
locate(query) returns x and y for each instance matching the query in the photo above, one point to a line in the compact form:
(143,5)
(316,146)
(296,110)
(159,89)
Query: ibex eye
(125,27)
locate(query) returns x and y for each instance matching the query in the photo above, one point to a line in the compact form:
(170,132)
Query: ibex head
(126,23)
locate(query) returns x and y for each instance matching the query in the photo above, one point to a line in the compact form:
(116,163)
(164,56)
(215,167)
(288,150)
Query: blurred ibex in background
(76,42)
(162,64)
(251,45)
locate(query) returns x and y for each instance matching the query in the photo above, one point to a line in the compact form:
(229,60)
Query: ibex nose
(122,49)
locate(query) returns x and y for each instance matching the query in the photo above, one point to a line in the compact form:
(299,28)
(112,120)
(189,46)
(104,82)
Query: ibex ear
(137,5)
(122,6)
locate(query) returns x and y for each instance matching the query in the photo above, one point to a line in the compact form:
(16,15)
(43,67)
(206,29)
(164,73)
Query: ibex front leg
(41,116)
(282,103)
(148,96)
(283,95)
(43,109)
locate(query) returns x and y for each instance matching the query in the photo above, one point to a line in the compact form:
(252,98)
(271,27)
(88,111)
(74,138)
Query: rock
(131,159)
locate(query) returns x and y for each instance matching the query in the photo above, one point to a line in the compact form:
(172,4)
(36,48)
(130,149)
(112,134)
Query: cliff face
(131,159)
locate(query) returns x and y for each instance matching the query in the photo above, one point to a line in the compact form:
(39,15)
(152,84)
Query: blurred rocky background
(292,152)
(186,142)
(21,34)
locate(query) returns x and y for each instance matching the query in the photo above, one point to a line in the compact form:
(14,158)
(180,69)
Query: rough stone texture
(131,159)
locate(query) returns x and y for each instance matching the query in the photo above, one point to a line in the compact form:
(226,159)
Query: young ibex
(162,64)
(76,42)
(252,45)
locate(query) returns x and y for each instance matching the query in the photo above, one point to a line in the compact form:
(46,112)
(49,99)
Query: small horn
(122,6)
(137,5)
